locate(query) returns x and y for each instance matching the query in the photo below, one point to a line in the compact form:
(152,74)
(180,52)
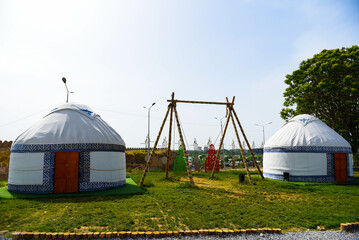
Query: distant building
(209,142)
(195,145)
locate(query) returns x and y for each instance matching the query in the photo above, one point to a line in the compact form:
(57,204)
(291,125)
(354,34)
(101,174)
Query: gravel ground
(308,235)
(330,235)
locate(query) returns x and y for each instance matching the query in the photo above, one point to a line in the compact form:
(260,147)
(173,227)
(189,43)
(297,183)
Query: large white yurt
(70,150)
(305,149)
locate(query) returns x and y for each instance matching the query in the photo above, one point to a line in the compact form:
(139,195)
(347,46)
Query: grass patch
(187,185)
(175,204)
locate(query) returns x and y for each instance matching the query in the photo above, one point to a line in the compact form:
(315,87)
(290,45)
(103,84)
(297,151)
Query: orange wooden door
(340,167)
(66,176)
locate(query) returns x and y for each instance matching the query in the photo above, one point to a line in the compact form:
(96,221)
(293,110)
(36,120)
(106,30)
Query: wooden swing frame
(173,111)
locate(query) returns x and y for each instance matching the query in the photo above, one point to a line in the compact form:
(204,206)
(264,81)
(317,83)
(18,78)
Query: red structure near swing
(211,160)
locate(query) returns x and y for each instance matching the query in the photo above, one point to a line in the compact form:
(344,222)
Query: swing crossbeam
(196,102)
(173,111)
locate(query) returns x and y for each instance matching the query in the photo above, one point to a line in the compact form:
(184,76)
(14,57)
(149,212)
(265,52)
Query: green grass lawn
(174,204)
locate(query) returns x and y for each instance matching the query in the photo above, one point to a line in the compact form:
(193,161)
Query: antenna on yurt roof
(64,80)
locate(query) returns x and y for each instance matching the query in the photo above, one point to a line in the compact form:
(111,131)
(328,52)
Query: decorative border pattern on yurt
(311,149)
(48,179)
(330,165)
(299,178)
(78,147)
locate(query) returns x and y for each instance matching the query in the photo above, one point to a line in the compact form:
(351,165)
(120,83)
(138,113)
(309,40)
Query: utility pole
(148,130)
(259,125)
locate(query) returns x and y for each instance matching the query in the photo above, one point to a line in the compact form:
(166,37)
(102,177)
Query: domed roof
(306,130)
(70,123)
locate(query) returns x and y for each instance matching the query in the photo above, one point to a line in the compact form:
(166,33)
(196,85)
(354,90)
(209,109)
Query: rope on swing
(217,137)
(184,135)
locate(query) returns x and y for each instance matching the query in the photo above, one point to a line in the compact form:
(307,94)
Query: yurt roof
(70,123)
(306,130)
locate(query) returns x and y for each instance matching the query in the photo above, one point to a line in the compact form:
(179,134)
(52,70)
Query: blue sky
(119,56)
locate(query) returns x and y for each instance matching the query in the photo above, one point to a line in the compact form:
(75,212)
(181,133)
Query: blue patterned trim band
(80,147)
(37,189)
(319,178)
(312,149)
(45,189)
(93,186)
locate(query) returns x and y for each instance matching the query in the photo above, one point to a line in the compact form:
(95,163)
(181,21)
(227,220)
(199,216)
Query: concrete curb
(149,234)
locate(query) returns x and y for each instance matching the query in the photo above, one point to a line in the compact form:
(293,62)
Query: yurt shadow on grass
(70,150)
(305,149)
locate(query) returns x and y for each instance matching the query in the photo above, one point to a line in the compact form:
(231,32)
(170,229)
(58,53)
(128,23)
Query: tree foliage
(327,86)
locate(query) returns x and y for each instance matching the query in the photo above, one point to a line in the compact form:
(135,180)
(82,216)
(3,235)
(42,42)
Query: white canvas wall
(297,164)
(26,168)
(107,166)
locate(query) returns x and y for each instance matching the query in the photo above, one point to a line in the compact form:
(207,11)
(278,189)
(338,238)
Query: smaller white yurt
(305,149)
(70,150)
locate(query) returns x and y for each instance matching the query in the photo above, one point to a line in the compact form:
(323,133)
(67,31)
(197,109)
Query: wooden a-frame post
(232,112)
(239,143)
(170,136)
(249,146)
(171,108)
(221,142)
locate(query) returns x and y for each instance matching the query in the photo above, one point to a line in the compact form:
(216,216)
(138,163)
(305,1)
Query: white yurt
(70,150)
(305,149)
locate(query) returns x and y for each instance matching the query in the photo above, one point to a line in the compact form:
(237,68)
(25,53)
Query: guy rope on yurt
(172,110)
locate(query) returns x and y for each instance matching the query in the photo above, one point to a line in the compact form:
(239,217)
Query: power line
(217,138)
(33,114)
(140,115)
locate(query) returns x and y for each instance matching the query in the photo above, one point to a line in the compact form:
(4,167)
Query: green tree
(327,86)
